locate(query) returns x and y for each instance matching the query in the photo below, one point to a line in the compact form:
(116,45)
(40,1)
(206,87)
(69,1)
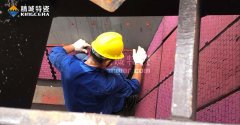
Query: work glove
(81,46)
(139,56)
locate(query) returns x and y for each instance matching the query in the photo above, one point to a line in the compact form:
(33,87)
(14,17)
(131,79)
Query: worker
(89,85)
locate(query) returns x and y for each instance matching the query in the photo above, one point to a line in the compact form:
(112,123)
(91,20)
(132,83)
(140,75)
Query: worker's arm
(138,72)
(139,57)
(59,55)
(80,46)
(69,48)
(133,86)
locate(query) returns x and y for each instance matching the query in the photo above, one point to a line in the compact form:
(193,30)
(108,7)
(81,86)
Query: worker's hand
(139,56)
(81,46)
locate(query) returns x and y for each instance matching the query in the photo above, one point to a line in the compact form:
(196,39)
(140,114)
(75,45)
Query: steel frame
(184,83)
(37,117)
(184,98)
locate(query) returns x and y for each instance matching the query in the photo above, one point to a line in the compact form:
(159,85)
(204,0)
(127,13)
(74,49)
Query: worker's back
(91,89)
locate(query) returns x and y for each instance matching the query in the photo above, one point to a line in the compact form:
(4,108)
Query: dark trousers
(129,106)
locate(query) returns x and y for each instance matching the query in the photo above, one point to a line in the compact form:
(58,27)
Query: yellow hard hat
(109,45)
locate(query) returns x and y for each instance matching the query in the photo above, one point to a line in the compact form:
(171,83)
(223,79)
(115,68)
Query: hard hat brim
(105,55)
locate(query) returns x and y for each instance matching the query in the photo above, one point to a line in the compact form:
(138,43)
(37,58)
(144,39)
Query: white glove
(139,56)
(81,45)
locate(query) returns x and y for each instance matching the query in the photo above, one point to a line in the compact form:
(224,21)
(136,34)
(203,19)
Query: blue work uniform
(91,89)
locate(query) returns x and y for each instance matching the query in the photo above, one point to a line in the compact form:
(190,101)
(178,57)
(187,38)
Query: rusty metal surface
(184,97)
(36,117)
(109,5)
(135,30)
(48,95)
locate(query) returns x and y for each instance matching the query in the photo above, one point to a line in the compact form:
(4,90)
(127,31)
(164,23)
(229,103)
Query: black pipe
(51,66)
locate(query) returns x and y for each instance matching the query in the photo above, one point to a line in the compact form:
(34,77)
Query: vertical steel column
(184,99)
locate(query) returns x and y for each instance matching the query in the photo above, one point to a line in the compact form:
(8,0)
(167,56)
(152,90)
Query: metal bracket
(109,5)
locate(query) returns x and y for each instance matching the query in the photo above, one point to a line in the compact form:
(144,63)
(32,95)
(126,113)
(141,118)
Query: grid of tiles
(224,111)
(161,64)
(219,71)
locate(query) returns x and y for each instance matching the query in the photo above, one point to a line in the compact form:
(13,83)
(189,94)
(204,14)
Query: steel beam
(142,8)
(22,44)
(32,117)
(186,61)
